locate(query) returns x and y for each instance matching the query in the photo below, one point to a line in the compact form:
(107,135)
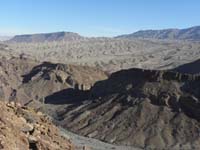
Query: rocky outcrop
(22,78)
(143,108)
(127,79)
(11,71)
(23,128)
(57,77)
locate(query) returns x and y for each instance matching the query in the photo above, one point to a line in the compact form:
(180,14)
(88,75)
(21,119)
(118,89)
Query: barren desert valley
(66,91)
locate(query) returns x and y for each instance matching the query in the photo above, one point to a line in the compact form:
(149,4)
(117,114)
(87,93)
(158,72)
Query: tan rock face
(22,129)
(11,76)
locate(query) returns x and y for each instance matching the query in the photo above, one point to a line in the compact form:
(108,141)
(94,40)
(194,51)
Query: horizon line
(2,34)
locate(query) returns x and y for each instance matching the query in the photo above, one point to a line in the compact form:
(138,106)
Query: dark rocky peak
(44,70)
(152,75)
(132,78)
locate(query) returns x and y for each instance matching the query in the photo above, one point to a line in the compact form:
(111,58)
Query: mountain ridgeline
(144,108)
(192,33)
(46,37)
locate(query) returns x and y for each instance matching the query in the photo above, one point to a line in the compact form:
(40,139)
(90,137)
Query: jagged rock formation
(23,128)
(25,80)
(46,37)
(56,77)
(142,108)
(191,68)
(192,33)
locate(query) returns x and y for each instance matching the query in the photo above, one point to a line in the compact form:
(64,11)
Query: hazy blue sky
(96,17)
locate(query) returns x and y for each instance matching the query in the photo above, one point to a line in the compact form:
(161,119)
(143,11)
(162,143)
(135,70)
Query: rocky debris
(143,108)
(11,71)
(23,128)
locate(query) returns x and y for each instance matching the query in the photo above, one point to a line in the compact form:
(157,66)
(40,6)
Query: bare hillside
(192,33)
(23,128)
(113,54)
(143,108)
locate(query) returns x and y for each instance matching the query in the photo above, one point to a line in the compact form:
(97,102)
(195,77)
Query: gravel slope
(92,144)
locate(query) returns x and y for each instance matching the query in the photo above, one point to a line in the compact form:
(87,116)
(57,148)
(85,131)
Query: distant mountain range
(46,37)
(5,38)
(192,33)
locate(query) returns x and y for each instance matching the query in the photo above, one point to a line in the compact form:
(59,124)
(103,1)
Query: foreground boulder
(23,128)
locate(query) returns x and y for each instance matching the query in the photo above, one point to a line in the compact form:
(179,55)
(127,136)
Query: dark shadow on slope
(190,68)
(67,96)
(36,70)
